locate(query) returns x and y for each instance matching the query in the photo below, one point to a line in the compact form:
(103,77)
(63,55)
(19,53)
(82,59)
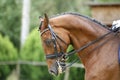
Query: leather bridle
(54,39)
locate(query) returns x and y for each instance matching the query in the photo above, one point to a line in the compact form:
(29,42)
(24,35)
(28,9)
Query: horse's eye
(48,42)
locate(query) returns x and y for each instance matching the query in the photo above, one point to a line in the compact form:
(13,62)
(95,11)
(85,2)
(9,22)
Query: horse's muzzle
(57,68)
(53,71)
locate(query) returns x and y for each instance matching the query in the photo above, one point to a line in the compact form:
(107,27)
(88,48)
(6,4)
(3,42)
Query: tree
(10,16)
(7,53)
(33,51)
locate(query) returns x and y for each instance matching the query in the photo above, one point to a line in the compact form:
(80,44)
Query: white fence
(34,63)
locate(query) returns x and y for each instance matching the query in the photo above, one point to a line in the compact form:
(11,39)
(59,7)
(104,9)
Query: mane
(77,14)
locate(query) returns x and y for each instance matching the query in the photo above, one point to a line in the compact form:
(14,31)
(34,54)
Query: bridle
(54,38)
(61,54)
(58,55)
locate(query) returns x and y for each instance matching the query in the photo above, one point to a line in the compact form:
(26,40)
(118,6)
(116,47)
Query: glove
(116,25)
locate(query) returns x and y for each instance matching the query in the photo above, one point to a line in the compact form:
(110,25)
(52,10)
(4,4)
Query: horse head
(55,42)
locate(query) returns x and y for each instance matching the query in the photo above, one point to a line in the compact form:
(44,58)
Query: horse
(95,44)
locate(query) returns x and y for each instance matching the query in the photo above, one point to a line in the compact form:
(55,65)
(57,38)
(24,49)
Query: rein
(61,53)
(73,51)
(87,45)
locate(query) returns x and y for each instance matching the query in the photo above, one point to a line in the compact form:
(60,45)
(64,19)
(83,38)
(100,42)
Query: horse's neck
(85,31)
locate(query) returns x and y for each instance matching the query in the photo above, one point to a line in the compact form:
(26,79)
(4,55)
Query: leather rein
(66,55)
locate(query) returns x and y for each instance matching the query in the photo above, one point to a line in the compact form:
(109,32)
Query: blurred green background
(10,28)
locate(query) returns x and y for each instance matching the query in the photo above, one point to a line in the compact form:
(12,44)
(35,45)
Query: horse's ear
(41,20)
(46,20)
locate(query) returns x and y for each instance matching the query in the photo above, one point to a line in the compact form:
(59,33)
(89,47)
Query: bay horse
(96,45)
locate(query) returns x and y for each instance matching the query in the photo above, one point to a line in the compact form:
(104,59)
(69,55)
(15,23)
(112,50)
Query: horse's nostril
(53,72)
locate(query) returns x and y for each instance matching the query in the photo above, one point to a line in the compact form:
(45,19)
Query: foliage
(53,7)
(7,53)
(79,72)
(10,14)
(32,49)
(7,50)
